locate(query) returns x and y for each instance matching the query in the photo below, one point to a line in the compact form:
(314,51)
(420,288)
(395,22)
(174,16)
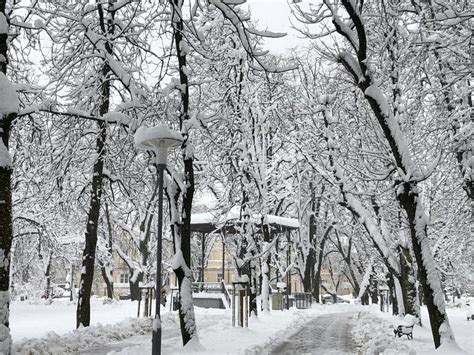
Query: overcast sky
(274,16)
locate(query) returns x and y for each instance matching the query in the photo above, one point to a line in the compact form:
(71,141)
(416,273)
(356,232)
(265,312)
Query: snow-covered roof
(283,221)
(207,222)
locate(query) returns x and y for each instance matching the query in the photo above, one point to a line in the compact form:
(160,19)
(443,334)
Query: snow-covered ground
(55,323)
(262,333)
(32,320)
(374,333)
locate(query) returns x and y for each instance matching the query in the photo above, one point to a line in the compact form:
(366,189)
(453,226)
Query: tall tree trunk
(265,268)
(88,255)
(6,169)
(183,272)
(309,275)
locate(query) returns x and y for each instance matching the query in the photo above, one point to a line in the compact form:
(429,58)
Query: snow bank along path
(373,333)
(326,334)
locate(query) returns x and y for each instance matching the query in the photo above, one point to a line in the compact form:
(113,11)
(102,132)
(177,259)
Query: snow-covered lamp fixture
(158,139)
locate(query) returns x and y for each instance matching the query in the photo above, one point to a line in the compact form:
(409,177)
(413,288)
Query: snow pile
(373,333)
(84,338)
(8,96)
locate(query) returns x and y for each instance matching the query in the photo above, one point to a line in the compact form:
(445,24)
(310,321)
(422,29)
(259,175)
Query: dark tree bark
(364,300)
(407,282)
(186,316)
(373,288)
(135,293)
(309,275)
(106,267)
(267,259)
(47,275)
(88,255)
(317,276)
(6,224)
(392,294)
(108,284)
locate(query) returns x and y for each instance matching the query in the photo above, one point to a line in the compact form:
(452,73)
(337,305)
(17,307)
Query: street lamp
(158,139)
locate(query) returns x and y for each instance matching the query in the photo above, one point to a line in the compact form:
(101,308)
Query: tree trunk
(317,276)
(265,268)
(392,294)
(309,276)
(107,276)
(430,282)
(183,273)
(47,275)
(365,298)
(106,269)
(408,283)
(88,255)
(6,169)
(253,308)
(373,288)
(135,293)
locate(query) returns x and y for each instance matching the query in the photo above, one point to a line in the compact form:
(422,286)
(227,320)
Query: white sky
(274,16)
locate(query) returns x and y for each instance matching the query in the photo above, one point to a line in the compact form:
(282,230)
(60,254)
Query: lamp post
(158,139)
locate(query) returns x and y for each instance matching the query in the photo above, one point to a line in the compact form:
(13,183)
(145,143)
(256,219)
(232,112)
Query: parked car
(329,299)
(60,292)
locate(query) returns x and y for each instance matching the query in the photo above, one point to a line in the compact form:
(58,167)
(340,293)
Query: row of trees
(361,137)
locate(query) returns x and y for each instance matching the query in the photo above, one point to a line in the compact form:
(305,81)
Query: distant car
(329,299)
(59,292)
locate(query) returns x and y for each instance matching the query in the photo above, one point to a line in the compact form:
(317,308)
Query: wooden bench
(404,330)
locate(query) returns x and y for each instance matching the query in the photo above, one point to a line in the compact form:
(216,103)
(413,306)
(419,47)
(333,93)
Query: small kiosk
(147,292)
(241,292)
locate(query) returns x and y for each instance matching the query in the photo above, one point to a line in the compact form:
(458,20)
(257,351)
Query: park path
(326,334)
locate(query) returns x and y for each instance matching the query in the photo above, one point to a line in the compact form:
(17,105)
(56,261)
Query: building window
(219,277)
(124,277)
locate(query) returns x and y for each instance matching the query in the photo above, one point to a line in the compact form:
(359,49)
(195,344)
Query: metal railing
(226,293)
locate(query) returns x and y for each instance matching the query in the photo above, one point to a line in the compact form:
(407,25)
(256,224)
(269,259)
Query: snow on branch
(243,33)
(351,65)
(132,264)
(353,204)
(266,33)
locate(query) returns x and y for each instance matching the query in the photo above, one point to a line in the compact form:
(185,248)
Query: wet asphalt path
(326,334)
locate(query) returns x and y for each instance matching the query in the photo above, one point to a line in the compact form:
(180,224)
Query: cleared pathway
(326,334)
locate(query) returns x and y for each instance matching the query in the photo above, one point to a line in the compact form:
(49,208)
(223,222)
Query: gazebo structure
(208,223)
